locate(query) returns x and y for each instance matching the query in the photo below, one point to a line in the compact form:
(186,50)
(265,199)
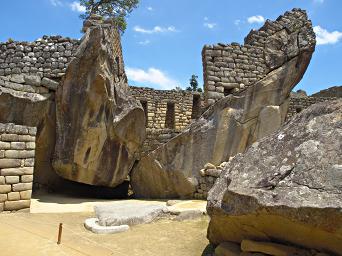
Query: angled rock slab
(230,125)
(225,129)
(128,213)
(286,187)
(99,125)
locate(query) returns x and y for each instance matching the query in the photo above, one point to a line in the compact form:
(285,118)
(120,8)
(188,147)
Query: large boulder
(230,125)
(99,125)
(36,110)
(286,187)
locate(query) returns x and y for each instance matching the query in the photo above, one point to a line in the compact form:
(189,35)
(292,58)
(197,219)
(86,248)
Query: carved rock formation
(19,106)
(286,187)
(233,123)
(99,125)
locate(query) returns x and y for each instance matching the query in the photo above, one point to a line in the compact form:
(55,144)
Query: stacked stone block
(156,105)
(48,56)
(230,68)
(17,151)
(35,67)
(28,85)
(298,104)
(209,174)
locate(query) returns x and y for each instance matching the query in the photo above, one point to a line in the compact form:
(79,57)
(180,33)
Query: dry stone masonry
(167,113)
(36,66)
(17,152)
(229,68)
(209,174)
(300,100)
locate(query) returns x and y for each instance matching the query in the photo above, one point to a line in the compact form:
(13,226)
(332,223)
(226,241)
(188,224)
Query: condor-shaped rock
(233,123)
(99,125)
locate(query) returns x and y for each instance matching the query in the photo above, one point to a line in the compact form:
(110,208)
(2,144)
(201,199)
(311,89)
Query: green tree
(117,10)
(194,84)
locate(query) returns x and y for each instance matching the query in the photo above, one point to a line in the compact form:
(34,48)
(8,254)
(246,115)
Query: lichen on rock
(285,187)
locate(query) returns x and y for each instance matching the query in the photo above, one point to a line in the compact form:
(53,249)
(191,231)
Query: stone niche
(17,154)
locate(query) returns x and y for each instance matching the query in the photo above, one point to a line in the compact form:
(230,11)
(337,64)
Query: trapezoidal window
(170,116)
(299,109)
(227,91)
(196,106)
(144,105)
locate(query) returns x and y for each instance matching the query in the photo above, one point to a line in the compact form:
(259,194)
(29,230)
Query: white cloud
(150,8)
(76,7)
(323,36)
(256,19)
(237,22)
(145,42)
(210,25)
(156,29)
(152,76)
(56,2)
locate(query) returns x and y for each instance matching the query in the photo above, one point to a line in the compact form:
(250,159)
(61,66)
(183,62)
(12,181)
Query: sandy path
(34,234)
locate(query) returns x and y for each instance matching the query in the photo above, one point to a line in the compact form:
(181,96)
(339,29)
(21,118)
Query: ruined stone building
(36,90)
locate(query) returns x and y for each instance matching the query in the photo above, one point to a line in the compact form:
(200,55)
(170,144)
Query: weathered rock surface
(228,249)
(22,107)
(36,110)
(128,213)
(286,187)
(99,125)
(272,248)
(230,125)
(92,224)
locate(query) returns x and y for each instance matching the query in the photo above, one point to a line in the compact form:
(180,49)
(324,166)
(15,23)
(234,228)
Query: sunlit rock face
(234,122)
(99,125)
(286,187)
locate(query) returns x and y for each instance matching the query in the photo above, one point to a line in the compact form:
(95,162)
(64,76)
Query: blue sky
(164,38)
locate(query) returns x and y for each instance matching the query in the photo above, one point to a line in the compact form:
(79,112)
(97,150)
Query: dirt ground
(35,234)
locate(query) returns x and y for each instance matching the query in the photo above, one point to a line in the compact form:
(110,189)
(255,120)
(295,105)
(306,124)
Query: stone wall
(36,66)
(209,174)
(229,68)
(334,91)
(298,104)
(17,152)
(167,112)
